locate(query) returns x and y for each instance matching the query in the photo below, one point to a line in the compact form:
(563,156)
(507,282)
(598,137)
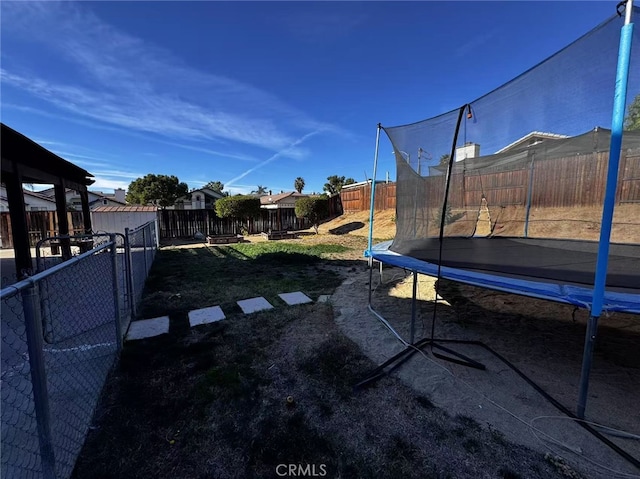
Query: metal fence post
(116,289)
(157,228)
(129,273)
(144,250)
(35,342)
(148,250)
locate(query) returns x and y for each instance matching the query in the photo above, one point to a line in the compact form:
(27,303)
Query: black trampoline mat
(553,260)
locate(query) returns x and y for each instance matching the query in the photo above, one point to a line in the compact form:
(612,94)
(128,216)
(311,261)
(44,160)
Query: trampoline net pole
(617,126)
(533,158)
(373,189)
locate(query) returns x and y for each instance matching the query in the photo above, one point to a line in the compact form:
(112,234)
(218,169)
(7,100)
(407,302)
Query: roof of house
(534,134)
(50,193)
(125,209)
(360,183)
(209,191)
(271,199)
(108,198)
(35,194)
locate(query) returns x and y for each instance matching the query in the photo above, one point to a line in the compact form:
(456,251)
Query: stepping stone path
(205,316)
(148,328)
(253,305)
(324,298)
(295,298)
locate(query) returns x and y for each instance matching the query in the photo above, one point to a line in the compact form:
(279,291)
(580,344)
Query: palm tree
(299,184)
(262,190)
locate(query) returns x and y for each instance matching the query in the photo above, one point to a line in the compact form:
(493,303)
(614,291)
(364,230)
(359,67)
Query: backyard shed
(114,219)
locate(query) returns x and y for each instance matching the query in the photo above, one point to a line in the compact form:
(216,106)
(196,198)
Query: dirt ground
(544,340)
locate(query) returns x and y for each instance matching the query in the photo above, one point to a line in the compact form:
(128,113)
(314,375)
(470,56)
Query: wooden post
(52,224)
(63,221)
(86,212)
(19,230)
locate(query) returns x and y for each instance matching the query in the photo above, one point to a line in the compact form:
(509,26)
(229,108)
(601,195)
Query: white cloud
(106,184)
(121,80)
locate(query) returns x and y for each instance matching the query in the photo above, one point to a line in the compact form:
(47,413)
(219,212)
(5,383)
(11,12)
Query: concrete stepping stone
(254,304)
(205,316)
(324,298)
(295,298)
(148,328)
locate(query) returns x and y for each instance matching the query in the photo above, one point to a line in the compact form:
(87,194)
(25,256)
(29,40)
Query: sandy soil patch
(543,339)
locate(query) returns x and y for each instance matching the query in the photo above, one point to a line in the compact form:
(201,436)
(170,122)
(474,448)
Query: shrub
(314,209)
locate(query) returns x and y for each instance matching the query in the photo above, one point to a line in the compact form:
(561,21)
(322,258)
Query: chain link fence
(60,336)
(62,330)
(143,244)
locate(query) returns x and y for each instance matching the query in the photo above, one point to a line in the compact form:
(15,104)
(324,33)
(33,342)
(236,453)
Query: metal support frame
(129,265)
(373,189)
(413,308)
(35,344)
(617,126)
(116,289)
(144,250)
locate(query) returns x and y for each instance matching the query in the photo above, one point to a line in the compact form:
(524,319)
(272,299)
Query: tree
(632,121)
(298,184)
(160,190)
(262,190)
(313,208)
(335,183)
(444,159)
(241,207)
(215,186)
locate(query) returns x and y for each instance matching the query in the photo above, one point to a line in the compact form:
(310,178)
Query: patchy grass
(211,401)
(191,278)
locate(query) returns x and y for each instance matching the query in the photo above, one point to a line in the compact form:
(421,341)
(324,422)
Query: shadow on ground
(347,228)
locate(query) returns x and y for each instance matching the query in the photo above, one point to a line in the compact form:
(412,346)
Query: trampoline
(523,191)
(552,269)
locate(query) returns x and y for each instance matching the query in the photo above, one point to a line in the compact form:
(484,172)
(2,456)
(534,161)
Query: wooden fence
(40,224)
(172,223)
(359,199)
(186,223)
(563,182)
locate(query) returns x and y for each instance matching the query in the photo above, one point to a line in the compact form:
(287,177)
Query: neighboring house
(531,139)
(200,199)
(281,201)
(360,184)
(33,201)
(96,198)
(282,209)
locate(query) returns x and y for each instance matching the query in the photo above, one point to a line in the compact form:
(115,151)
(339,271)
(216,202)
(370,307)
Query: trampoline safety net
(530,163)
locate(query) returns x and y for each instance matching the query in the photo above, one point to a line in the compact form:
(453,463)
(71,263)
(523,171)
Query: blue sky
(258,93)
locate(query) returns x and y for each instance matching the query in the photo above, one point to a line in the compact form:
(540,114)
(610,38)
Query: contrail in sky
(275,156)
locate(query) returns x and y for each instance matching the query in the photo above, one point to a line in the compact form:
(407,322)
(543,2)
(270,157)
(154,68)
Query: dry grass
(212,401)
(572,223)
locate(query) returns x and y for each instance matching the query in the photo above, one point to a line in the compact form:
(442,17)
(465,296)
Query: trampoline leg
(370,278)
(589,345)
(413,308)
